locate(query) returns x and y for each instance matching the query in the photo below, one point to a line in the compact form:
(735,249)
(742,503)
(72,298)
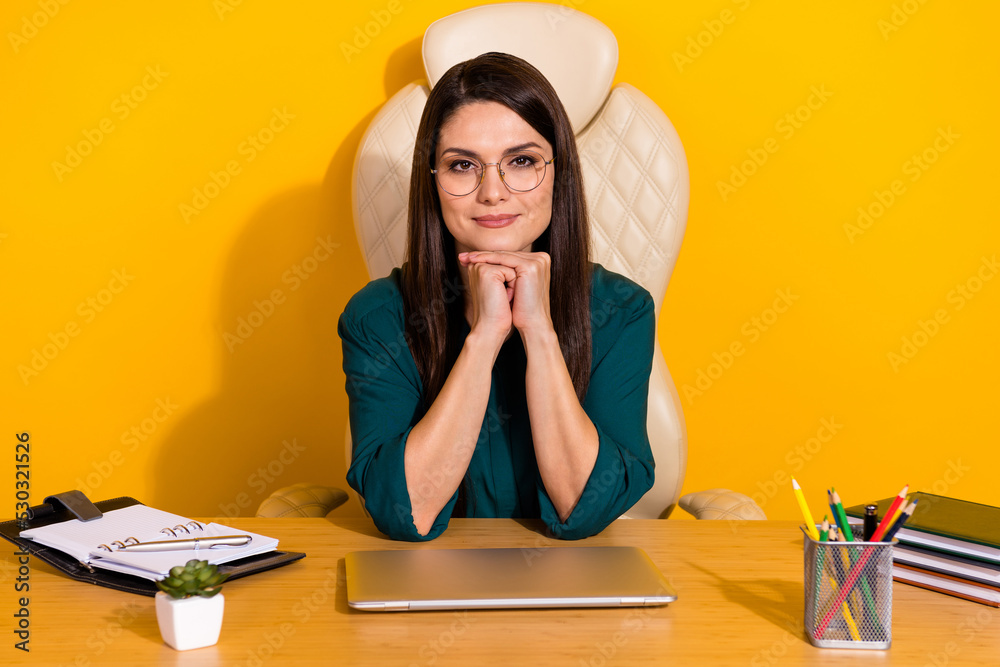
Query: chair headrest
(577,53)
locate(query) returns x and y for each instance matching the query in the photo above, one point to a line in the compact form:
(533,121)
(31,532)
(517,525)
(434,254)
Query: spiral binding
(186,529)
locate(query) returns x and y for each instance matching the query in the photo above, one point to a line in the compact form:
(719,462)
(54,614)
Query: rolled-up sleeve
(623,333)
(384,390)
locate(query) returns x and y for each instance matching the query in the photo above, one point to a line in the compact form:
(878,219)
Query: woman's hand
(487,306)
(564,437)
(526,278)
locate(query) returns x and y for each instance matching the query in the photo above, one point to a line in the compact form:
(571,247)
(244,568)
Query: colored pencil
(831,535)
(870,609)
(833,508)
(806,514)
(859,566)
(903,518)
(886,522)
(845,527)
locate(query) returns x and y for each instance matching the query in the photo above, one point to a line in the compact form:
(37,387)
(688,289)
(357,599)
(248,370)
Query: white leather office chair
(636,181)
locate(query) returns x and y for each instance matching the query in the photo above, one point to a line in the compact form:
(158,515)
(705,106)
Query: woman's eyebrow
(512,149)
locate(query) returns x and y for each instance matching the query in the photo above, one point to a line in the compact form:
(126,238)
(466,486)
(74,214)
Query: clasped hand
(507,289)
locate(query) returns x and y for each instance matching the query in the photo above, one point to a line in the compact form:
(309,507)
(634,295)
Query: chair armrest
(302,500)
(721,504)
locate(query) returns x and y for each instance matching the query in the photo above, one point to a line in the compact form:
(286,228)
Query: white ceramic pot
(189,623)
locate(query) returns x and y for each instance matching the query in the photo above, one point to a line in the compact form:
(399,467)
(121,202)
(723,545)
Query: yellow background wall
(189,356)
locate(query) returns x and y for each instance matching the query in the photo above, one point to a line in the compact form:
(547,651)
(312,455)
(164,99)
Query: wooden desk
(740,603)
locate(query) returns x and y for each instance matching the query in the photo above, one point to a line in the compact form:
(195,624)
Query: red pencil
(887,519)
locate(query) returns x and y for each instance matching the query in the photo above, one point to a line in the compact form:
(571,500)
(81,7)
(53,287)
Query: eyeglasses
(460,175)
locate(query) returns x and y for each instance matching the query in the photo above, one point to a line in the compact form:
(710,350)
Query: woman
(498,373)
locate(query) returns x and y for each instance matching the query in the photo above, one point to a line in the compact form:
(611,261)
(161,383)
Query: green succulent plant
(196,577)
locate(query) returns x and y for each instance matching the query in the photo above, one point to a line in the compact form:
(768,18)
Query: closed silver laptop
(424,579)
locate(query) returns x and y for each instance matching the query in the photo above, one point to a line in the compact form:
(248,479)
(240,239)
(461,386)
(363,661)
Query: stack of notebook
(950,546)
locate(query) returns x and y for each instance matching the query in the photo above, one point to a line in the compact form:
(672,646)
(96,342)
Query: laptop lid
(424,579)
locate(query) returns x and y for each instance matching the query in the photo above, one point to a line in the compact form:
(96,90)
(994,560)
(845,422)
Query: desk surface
(740,603)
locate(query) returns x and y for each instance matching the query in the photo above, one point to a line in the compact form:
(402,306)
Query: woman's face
(493,217)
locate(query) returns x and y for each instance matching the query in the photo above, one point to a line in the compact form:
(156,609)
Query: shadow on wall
(280,411)
(280,414)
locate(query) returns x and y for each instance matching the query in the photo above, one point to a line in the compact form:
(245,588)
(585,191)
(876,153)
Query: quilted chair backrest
(634,167)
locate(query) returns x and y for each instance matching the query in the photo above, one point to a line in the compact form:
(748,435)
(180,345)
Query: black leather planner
(74,505)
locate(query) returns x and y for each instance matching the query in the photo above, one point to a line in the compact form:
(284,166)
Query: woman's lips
(494,221)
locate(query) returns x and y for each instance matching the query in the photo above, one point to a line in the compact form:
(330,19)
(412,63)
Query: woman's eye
(462,165)
(521,161)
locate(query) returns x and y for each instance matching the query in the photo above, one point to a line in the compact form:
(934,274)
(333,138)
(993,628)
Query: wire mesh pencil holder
(848,593)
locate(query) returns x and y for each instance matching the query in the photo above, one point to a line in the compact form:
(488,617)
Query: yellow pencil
(852,627)
(810,524)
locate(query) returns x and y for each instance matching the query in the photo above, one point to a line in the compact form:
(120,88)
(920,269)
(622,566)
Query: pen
(871,521)
(195,543)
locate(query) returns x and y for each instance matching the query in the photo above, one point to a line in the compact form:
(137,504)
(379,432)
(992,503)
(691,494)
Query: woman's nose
(492,189)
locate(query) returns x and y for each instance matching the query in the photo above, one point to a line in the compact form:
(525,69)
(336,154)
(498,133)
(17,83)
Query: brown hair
(431,284)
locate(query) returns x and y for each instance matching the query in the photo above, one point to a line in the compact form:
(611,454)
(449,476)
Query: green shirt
(385,391)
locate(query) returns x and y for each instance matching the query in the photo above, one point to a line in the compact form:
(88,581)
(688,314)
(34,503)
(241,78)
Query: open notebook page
(81,538)
(156,564)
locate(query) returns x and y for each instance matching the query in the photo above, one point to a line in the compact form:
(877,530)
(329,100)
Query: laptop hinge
(632,602)
(396,606)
